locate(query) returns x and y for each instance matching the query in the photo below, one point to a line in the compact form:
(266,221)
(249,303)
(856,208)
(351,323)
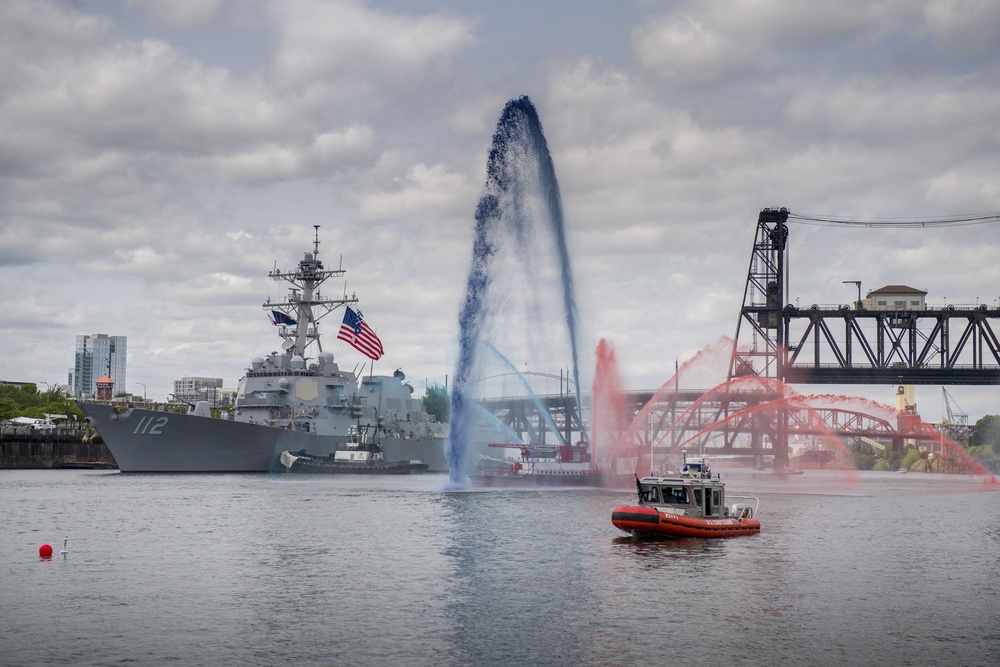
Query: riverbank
(26,449)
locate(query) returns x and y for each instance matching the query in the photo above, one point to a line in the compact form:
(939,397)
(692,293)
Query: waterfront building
(194,389)
(98,355)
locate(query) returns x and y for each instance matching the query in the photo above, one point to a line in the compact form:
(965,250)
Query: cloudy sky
(158,157)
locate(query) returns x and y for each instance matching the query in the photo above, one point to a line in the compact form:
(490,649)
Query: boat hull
(652,522)
(300,462)
(156,441)
(536,479)
(811,460)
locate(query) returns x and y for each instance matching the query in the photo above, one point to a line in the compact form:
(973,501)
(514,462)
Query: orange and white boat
(692,505)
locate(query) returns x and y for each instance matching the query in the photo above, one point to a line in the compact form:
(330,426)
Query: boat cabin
(357,448)
(695,493)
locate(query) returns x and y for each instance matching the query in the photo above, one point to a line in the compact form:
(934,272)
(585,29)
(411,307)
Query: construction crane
(956,424)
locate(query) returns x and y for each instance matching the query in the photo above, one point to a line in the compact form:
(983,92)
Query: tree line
(27,401)
(984,442)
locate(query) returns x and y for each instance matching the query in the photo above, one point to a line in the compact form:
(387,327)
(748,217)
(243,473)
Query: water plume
(609,415)
(519,293)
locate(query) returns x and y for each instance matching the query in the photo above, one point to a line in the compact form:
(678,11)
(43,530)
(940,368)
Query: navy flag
(280,318)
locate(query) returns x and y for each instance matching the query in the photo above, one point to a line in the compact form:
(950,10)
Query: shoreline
(24,449)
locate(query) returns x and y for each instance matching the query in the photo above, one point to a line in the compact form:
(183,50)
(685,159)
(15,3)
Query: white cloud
(424,190)
(346,44)
(701,43)
(318,156)
(964,26)
(180,13)
(879,111)
(682,49)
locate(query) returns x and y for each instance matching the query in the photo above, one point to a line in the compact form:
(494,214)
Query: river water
(849,569)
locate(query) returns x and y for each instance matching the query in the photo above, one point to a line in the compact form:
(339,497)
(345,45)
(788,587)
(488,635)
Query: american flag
(356,331)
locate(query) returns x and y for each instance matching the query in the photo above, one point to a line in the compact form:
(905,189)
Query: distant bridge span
(737,423)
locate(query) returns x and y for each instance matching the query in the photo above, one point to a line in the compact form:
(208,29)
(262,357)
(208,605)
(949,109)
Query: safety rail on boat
(531,472)
(739,500)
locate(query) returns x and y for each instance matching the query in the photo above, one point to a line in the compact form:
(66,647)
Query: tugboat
(298,398)
(357,456)
(691,505)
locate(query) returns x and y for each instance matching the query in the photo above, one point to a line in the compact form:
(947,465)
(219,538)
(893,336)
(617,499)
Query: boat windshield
(649,494)
(675,495)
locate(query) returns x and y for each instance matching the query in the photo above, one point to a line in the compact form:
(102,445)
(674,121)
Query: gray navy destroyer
(287,401)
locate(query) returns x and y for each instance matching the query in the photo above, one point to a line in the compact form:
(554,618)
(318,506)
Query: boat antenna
(316,242)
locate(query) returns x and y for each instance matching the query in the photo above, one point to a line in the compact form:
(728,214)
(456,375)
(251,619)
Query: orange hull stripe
(649,520)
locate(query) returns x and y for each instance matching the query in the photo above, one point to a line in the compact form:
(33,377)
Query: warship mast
(304,303)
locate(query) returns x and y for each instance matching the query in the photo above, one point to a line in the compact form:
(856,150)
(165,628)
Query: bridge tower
(761,315)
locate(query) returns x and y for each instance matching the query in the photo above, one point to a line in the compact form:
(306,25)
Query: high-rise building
(97,355)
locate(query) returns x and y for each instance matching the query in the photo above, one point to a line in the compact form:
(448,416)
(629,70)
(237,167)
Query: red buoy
(45,551)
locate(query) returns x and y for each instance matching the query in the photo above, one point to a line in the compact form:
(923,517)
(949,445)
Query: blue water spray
(527,387)
(492,418)
(519,153)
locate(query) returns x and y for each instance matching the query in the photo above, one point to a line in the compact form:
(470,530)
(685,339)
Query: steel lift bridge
(847,345)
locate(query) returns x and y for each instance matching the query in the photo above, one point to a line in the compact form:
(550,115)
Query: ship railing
(747,499)
(23,430)
(498,472)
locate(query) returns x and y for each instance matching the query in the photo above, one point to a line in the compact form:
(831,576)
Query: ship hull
(536,480)
(811,460)
(155,441)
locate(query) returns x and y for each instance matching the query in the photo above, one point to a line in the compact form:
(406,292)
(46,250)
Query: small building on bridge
(895,297)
